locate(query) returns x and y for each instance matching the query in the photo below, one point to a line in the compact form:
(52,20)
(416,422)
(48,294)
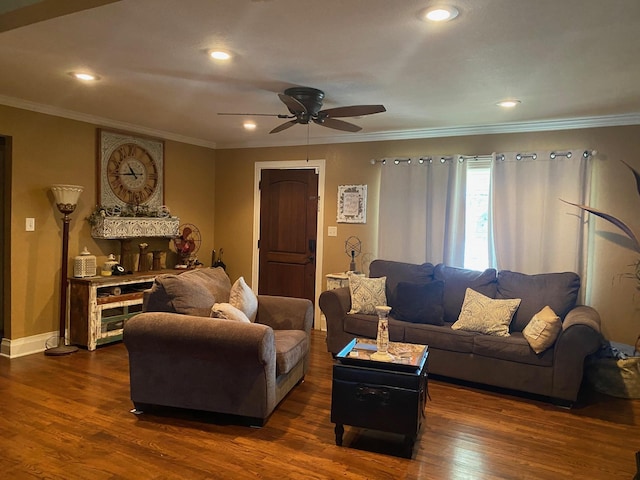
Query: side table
(386,396)
(339,280)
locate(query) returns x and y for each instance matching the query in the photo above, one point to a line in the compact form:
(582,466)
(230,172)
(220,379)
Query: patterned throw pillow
(543,329)
(243,298)
(482,314)
(367,293)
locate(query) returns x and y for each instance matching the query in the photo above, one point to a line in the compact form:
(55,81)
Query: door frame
(319,167)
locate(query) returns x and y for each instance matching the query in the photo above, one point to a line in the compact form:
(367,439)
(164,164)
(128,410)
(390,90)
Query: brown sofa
(506,362)
(180,357)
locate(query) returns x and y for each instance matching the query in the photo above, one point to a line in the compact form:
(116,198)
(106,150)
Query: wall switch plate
(30,225)
(332,231)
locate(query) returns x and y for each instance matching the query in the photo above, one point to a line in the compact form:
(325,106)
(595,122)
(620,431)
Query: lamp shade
(67,194)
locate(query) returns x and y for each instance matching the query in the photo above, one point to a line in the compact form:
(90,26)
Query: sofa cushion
(482,314)
(291,347)
(226,311)
(543,330)
(419,302)
(557,290)
(457,280)
(514,348)
(366,293)
(397,272)
(243,298)
(441,338)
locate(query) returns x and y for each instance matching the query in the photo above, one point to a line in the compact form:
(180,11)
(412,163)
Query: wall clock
(131,170)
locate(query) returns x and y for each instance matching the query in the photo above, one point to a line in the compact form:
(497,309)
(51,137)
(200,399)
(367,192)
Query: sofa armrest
(201,363)
(335,304)
(582,315)
(580,337)
(285,313)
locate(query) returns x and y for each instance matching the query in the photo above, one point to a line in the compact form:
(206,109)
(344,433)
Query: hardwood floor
(68,418)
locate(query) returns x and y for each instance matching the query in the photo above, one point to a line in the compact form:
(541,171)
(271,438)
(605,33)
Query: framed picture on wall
(352,204)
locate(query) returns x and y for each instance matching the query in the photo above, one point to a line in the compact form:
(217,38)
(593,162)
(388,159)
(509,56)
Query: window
(476,248)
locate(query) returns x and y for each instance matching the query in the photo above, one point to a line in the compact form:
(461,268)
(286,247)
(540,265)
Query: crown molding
(275,141)
(516,127)
(102,121)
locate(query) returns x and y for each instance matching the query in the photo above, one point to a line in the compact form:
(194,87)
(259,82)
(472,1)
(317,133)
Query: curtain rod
(428,159)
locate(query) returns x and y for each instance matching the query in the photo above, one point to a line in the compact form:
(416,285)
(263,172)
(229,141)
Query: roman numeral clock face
(132,174)
(131,170)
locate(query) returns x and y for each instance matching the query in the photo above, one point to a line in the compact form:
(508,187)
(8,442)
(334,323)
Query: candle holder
(382,339)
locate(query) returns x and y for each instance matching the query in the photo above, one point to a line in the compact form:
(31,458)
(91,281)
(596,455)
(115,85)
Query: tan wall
(49,150)
(615,298)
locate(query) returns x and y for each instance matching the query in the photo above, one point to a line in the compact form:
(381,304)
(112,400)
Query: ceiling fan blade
(279,115)
(292,104)
(337,124)
(352,111)
(284,126)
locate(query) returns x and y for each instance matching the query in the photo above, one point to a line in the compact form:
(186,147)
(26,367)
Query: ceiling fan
(304,104)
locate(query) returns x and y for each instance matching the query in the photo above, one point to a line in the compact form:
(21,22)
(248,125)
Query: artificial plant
(635,244)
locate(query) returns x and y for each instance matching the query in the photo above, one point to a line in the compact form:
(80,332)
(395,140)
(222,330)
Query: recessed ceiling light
(84,76)
(249,125)
(508,103)
(219,55)
(441,13)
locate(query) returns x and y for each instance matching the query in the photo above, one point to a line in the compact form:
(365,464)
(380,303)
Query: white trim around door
(319,167)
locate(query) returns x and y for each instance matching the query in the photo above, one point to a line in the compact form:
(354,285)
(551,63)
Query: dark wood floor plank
(69,418)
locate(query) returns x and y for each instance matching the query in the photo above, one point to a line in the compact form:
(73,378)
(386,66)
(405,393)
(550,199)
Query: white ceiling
(572,63)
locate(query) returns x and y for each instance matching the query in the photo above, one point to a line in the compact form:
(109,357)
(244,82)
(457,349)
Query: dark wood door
(288,223)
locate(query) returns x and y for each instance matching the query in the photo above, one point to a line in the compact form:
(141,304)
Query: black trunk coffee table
(386,396)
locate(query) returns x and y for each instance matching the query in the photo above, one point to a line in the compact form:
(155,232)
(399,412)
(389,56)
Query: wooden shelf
(96,315)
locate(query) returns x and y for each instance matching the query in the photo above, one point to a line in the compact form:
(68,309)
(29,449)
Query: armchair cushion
(185,295)
(188,293)
(291,347)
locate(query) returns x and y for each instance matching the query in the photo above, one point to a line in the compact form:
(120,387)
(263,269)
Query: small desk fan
(353,248)
(188,243)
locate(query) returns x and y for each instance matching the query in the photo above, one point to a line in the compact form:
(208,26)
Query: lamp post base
(61,349)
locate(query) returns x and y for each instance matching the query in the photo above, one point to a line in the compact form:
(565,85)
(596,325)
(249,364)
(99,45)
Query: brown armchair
(218,365)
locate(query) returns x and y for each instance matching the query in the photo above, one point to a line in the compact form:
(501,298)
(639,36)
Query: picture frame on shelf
(352,204)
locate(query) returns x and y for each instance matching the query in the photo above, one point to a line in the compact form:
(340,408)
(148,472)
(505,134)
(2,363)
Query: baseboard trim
(20,347)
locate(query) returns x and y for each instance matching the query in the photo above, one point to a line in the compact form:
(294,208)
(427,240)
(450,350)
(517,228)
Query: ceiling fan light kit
(304,105)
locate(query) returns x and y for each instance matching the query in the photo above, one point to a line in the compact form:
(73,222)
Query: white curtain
(422,211)
(533,230)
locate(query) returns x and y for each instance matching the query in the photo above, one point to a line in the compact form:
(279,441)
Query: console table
(98,307)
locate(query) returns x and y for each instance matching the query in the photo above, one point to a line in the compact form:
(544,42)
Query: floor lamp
(66,197)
